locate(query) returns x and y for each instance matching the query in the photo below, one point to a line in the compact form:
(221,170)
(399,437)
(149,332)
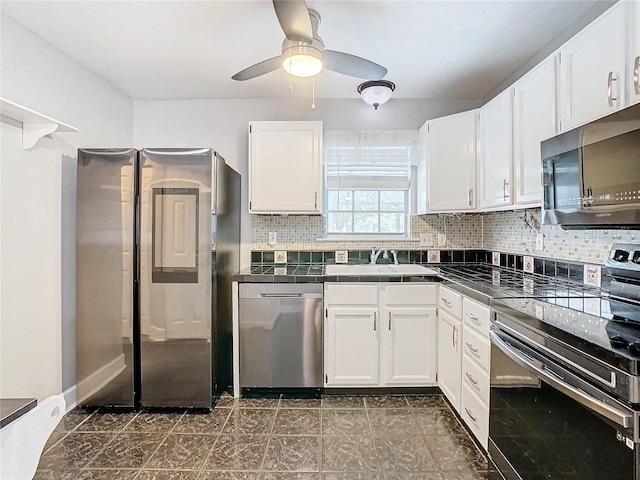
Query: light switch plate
(273,237)
(280,256)
(540,241)
(426,240)
(442,240)
(342,256)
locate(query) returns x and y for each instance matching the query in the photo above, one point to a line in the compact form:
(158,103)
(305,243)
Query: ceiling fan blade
(293,16)
(353,66)
(258,69)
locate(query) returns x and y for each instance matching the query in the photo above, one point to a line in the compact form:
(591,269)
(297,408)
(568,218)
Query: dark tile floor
(336,438)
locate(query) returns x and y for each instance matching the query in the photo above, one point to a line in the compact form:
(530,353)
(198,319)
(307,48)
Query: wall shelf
(34,125)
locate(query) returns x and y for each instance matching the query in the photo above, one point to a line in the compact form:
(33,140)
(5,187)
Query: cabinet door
(496,157)
(408,354)
(534,120)
(633,14)
(285,167)
(450,357)
(422,179)
(351,353)
(592,70)
(451,159)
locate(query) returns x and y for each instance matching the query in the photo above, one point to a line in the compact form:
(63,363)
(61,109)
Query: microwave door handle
(607,411)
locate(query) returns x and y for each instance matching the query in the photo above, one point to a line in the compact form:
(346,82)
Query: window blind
(372,160)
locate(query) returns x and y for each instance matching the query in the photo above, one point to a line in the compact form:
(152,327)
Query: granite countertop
(13,408)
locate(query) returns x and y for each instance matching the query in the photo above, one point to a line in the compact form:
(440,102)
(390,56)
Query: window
(368,178)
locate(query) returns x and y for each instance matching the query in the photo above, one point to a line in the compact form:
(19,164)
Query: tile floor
(336,438)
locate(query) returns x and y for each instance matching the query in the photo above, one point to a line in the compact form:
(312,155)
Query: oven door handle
(607,411)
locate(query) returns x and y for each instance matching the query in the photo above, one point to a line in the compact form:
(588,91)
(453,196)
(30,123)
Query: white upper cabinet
(451,162)
(633,69)
(534,120)
(285,167)
(496,152)
(592,70)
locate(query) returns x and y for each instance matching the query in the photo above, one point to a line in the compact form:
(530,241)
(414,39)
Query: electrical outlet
(540,241)
(442,240)
(426,240)
(273,237)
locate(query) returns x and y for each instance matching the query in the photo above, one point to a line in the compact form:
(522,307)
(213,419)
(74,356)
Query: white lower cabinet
(380,335)
(449,357)
(464,358)
(351,347)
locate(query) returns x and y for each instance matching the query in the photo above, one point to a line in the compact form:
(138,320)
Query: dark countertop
(13,408)
(315,274)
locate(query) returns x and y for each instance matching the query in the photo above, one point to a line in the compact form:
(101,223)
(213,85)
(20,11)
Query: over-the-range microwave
(591,174)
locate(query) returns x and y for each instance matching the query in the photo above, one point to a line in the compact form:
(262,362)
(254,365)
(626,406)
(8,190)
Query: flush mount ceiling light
(376,92)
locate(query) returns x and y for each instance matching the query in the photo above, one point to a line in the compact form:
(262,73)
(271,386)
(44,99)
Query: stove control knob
(618,342)
(621,255)
(634,348)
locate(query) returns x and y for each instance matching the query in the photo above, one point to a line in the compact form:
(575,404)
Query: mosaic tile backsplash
(508,232)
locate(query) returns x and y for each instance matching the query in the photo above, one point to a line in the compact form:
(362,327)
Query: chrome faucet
(376,253)
(394,254)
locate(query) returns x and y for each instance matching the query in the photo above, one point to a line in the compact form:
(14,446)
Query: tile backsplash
(509,232)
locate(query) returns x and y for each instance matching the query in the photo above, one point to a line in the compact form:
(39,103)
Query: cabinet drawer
(477,347)
(450,301)
(475,415)
(476,314)
(349,295)
(475,379)
(403,295)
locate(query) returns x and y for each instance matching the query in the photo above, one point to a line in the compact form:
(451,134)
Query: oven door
(546,422)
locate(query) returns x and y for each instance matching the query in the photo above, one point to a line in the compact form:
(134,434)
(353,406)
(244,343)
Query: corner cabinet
(534,120)
(633,75)
(451,145)
(592,70)
(380,335)
(496,152)
(285,168)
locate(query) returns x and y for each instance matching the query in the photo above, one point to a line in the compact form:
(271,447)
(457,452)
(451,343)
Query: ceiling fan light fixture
(302,60)
(302,65)
(376,92)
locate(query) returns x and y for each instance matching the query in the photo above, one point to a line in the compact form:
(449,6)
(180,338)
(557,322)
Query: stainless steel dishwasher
(280,336)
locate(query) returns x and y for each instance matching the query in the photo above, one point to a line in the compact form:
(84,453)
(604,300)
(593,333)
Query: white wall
(38,194)
(223,125)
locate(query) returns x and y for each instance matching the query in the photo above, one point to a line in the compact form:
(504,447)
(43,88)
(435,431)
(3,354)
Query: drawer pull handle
(389,321)
(611,96)
(474,419)
(472,348)
(474,319)
(471,379)
(374,321)
(446,302)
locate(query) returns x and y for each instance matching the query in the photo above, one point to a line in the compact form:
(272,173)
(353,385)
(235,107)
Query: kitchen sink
(389,270)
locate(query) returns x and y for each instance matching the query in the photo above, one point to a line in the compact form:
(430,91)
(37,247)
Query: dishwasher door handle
(281,295)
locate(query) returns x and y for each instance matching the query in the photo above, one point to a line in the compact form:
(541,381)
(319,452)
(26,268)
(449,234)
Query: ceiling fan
(303,52)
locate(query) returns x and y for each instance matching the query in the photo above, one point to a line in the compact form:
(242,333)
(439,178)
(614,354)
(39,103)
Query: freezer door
(105,260)
(175,278)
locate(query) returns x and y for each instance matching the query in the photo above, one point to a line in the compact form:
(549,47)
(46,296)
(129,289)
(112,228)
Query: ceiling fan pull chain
(290,85)
(313,94)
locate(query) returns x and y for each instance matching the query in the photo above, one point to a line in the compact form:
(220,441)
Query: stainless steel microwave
(591,174)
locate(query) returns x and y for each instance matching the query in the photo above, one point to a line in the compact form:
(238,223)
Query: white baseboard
(70,398)
(98,379)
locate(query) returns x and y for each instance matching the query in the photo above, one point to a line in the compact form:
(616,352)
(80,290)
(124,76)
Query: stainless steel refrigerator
(158,238)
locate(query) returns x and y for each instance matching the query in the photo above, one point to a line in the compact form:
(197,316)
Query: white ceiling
(185,49)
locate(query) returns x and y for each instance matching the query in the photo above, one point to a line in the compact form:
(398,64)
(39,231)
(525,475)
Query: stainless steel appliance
(157,241)
(281,336)
(591,175)
(565,383)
